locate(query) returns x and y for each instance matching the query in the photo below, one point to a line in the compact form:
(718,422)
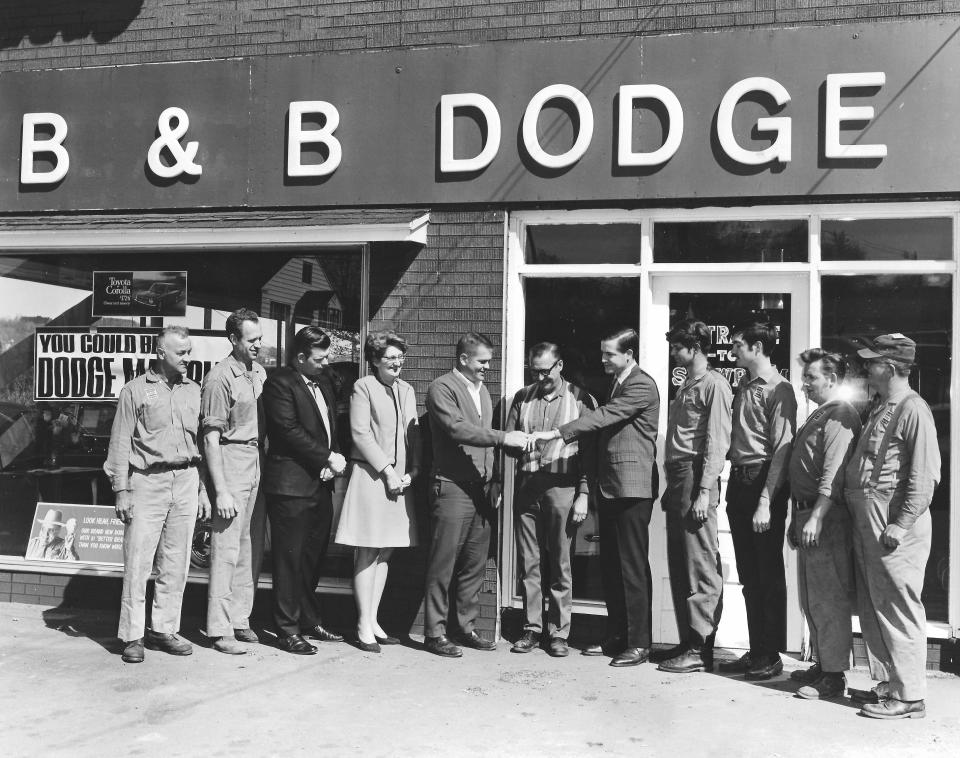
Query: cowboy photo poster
(67,533)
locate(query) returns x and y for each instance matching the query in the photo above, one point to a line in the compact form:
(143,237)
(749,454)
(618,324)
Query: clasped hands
(528,442)
(395,483)
(336,465)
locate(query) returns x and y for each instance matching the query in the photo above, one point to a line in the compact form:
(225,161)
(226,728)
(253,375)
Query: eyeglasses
(539,373)
(397,361)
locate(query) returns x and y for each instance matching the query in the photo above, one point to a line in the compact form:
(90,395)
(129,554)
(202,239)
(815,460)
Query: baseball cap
(894,347)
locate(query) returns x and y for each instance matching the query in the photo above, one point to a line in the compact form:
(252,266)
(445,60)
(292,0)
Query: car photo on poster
(139,293)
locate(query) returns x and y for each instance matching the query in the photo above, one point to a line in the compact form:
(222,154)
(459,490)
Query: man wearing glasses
(552,493)
(889,484)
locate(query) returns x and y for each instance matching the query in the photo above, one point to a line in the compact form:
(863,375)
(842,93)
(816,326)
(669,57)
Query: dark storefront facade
(530,190)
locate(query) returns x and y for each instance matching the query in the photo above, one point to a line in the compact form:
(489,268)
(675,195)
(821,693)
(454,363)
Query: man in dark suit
(626,427)
(303,458)
(461,416)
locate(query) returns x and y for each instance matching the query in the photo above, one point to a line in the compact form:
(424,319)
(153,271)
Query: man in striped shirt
(551,495)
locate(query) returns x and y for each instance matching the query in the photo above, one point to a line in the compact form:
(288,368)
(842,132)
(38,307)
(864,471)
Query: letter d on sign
(30,146)
(448,104)
(298,137)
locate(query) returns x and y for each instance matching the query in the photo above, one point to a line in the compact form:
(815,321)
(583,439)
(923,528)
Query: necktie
(324,411)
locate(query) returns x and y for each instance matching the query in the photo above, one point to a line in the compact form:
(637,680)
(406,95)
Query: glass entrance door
(721,301)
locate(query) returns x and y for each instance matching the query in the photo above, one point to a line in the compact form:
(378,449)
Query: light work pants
(165,506)
(230,600)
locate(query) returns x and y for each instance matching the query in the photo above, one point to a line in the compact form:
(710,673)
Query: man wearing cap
(764,420)
(39,546)
(697,440)
(152,466)
(229,398)
(821,524)
(889,483)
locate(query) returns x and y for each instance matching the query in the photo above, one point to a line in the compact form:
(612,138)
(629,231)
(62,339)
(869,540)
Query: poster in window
(139,293)
(69,533)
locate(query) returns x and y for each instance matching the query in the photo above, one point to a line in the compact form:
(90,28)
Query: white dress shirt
(474,389)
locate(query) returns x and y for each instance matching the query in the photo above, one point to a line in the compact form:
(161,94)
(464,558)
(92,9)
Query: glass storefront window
(52,451)
(886,239)
(730,242)
(583,243)
(856,309)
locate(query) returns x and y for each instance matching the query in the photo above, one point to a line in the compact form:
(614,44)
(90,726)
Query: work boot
(807,675)
(686,663)
(228,646)
(168,643)
(526,643)
(828,686)
(876,694)
(245,635)
(667,654)
(133,651)
(891,708)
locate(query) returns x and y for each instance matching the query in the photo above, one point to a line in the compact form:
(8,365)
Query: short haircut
(180,331)
(626,339)
(377,343)
(544,347)
(764,332)
(308,338)
(690,333)
(470,341)
(235,321)
(833,363)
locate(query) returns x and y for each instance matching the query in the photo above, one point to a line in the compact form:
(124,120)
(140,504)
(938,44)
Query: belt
(742,468)
(248,443)
(160,468)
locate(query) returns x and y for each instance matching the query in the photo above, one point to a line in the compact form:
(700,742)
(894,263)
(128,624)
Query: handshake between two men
(528,442)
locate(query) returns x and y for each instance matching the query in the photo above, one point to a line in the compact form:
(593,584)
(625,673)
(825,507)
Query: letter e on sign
(836,114)
(298,137)
(31,145)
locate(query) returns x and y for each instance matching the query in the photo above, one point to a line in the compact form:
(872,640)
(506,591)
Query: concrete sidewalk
(65,692)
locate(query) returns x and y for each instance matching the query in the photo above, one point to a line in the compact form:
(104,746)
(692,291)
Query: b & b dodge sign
(77,364)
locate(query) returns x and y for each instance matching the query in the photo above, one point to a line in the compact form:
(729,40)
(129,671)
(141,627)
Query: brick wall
(75,33)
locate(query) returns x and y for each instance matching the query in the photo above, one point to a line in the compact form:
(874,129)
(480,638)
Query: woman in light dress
(378,513)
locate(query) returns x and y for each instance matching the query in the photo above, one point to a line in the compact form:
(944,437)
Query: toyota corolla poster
(139,293)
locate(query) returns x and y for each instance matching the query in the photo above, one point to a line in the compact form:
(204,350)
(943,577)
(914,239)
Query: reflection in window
(886,239)
(730,242)
(583,243)
(857,309)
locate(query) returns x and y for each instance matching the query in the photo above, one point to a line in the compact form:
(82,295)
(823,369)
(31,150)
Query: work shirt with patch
(532,412)
(821,450)
(698,424)
(910,469)
(229,397)
(156,424)
(764,421)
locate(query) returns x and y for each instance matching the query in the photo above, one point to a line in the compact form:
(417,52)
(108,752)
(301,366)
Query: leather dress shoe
(558,648)
(687,662)
(875,694)
(632,656)
(296,644)
(611,646)
(765,667)
(321,634)
(388,640)
(168,643)
(829,685)
(807,675)
(133,651)
(891,708)
(245,635)
(368,647)
(228,646)
(736,667)
(526,643)
(473,640)
(665,654)
(441,646)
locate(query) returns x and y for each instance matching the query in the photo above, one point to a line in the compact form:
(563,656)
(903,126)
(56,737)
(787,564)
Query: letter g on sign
(183,155)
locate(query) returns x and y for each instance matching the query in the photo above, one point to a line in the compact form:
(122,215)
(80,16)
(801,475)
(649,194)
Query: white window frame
(517,270)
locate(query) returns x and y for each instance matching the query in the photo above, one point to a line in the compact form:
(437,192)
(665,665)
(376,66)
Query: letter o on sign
(532,115)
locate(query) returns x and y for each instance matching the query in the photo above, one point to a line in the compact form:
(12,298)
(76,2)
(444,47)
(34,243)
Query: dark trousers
(300,534)
(693,553)
(460,541)
(759,558)
(625,566)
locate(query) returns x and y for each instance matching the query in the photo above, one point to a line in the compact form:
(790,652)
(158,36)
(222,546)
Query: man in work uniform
(889,483)
(764,420)
(821,524)
(152,466)
(552,496)
(231,444)
(697,440)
